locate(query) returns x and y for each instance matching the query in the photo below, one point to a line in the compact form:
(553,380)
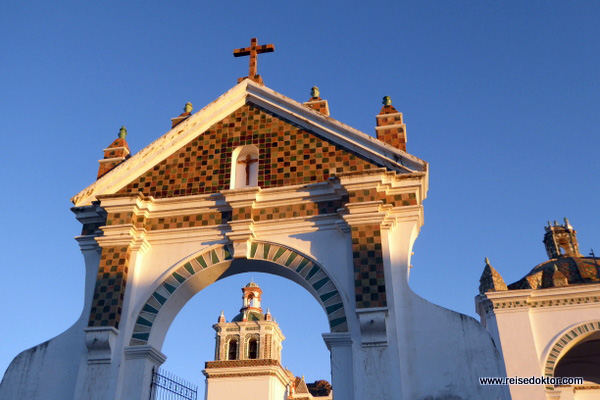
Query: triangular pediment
(299,146)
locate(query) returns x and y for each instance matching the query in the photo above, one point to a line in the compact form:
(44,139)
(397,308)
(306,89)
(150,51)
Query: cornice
(145,352)
(574,296)
(296,225)
(189,235)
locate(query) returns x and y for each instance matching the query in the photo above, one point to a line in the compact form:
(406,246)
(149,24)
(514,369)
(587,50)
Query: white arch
(178,285)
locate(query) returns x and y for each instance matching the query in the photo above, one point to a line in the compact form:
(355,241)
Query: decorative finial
(487,261)
(314,92)
(567,224)
(188,107)
(387,101)
(122,132)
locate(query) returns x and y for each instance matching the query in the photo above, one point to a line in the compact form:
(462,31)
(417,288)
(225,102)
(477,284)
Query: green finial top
(188,107)
(122,132)
(387,100)
(314,92)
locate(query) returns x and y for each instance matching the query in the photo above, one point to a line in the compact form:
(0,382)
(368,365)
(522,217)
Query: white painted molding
(145,352)
(337,339)
(100,342)
(372,322)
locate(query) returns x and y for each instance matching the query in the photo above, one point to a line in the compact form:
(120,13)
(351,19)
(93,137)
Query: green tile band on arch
(281,255)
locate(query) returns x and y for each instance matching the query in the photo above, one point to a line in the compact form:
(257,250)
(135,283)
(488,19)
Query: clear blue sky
(502,98)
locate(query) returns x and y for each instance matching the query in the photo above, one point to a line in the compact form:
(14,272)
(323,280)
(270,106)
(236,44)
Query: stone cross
(253,51)
(248,161)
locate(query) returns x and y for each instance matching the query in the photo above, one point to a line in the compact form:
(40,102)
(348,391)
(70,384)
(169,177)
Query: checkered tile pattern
(575,270)
(110,287)
(369,281)
(241,213)
(119,150)
(490,280)
(319,105)
(297,210)
(288,155)
(119,218)
(395,135)
(186,221)
(396,200)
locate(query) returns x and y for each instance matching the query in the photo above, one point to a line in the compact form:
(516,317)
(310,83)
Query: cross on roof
(253,51)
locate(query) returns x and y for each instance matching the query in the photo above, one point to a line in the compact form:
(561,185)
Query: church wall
(551,322)
(531,322)
(46,371)
(427,333)
(520,357)
(247,387)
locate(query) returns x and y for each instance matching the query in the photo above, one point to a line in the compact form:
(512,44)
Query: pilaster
(241,202)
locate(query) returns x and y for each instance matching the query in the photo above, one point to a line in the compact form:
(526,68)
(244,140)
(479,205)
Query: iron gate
(166,386)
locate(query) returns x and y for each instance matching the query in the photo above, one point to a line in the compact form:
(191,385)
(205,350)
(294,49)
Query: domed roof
(251,284)
(561,271)
(252,316)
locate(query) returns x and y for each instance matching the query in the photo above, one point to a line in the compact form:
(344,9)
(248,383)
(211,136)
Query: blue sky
(501,98)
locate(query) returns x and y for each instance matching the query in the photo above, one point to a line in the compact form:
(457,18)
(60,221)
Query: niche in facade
(244,167)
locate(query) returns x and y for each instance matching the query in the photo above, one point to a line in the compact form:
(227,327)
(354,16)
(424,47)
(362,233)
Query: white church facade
(256,181)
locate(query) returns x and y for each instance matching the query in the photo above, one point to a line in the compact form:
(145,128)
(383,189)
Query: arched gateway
(256,181)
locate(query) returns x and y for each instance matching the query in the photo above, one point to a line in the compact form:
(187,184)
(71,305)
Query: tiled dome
(252,316)
(561,271)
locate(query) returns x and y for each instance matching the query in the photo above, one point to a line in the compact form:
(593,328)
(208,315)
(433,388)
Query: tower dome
(566,266)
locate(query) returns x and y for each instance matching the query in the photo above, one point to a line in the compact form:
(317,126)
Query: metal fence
(166,386)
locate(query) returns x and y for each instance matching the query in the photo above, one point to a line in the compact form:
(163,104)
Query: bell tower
(561,240)
(247,354)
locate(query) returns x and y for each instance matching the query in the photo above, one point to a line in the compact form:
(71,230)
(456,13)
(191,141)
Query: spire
(221,317)
(117,152)
(490,280)
(561,240)
(390,129)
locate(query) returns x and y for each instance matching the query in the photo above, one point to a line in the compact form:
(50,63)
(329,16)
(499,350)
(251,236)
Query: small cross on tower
(253,51)
(248,161)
